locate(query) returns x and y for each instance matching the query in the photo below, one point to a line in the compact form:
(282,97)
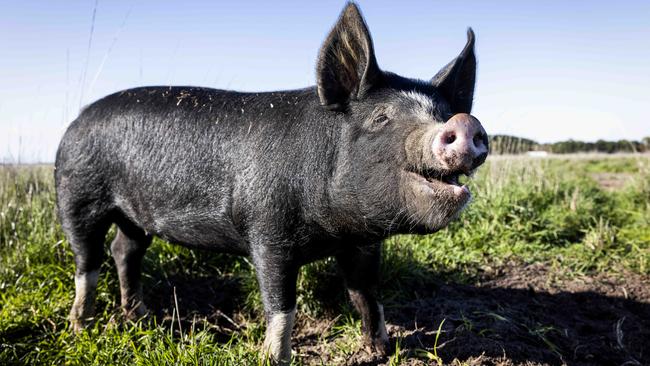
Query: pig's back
(169,159)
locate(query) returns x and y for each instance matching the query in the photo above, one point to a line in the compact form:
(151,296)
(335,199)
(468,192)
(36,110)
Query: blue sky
(549,70)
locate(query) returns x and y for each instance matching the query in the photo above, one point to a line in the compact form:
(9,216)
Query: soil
(612,181)
(517,315)
(521,316)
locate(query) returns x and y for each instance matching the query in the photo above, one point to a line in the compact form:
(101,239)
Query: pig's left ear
(347,68)
(456,80)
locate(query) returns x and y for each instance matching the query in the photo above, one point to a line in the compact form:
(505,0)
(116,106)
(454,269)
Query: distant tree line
(504,144)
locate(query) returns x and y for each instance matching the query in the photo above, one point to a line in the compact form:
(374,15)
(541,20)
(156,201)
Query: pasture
(550,264)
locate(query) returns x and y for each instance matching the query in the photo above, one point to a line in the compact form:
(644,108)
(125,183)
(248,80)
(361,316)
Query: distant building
(537,154)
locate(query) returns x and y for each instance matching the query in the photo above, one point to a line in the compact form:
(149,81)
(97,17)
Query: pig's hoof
(269,359)
(136,313)
(79,325)
(377,347)
(275,358)
(381,347)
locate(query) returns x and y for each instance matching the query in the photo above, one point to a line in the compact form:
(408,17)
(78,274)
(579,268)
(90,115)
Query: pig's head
(404,142)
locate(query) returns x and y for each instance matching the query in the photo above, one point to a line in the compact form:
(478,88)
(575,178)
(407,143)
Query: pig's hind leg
(128,249)
(85,228)
(360,268)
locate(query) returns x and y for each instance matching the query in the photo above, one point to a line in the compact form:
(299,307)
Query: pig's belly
(203,232)
(206,226)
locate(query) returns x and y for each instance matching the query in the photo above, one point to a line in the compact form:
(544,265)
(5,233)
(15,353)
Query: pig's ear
(347,68)
(456,80)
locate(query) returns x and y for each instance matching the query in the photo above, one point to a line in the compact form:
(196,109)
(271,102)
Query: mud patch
(523,315)
(612,181)
(514,315)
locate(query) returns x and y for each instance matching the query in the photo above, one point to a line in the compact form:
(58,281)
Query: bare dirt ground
(520,316)
(517,315)
(612,181)
(525,316)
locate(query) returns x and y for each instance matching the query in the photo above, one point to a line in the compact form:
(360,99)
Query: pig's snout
(461,144)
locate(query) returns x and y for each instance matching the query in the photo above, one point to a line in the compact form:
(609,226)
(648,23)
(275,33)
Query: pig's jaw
(432,203)
(431,184)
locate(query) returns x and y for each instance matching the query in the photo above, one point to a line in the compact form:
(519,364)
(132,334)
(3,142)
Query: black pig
(286,177)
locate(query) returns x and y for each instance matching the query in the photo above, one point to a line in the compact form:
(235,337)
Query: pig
(285,177)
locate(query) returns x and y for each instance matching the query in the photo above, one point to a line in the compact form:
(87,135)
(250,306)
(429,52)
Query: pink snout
(461,144)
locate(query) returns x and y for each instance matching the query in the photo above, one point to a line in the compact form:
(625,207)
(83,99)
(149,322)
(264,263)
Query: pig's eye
(380,120)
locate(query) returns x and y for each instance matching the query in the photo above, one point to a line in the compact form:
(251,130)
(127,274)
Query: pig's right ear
(347,68)
(456,80)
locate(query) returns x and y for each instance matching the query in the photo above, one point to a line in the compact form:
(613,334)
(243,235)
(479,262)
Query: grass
(525,211)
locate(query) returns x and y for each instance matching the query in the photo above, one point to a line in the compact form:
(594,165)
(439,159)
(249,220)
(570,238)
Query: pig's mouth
(436,181)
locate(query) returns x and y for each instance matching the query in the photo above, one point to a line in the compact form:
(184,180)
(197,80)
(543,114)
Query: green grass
(524,211)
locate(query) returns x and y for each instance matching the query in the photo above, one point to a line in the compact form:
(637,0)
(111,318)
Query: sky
(548,71)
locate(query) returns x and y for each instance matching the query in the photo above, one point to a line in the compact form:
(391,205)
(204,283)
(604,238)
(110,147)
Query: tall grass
(525,210)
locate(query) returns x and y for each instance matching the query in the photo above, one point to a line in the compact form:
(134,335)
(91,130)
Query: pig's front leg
(277,280)
(360,268)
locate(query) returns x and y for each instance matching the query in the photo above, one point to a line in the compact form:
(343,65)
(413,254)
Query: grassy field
(549,265)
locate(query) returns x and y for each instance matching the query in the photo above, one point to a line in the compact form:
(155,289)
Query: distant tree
(505,144)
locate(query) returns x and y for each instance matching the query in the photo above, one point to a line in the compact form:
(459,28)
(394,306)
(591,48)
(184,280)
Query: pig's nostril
(478,139)
(479,160)
(449,139)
